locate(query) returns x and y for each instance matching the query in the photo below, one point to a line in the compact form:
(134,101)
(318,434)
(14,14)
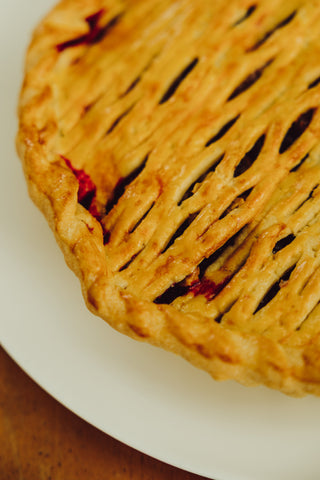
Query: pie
(174,148)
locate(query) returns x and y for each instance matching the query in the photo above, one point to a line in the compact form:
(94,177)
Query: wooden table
(42,440)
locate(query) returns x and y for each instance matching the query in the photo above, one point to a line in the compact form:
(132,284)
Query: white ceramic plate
(147,398)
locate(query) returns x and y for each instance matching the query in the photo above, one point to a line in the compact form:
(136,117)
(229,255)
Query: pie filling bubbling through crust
(174,148)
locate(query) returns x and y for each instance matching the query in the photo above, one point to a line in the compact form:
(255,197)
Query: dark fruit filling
(297,129)
(87,195)
(205,287)
(94,35)
(208,288)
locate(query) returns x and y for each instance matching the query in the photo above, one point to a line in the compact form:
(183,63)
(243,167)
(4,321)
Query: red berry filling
(94,35)
(87,195)
(208,288)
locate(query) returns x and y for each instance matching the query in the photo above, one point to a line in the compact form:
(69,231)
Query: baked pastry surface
(173,147)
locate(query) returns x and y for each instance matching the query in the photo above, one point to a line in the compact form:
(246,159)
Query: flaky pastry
(174,148)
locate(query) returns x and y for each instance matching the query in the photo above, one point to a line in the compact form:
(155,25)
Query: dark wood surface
(42,440)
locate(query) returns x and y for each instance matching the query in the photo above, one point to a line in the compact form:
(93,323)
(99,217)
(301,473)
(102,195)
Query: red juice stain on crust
(87,195)
(94,34)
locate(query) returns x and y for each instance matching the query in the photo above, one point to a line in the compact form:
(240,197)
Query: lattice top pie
(173,146)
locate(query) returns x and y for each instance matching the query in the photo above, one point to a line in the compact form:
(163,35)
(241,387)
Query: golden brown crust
(173,147)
